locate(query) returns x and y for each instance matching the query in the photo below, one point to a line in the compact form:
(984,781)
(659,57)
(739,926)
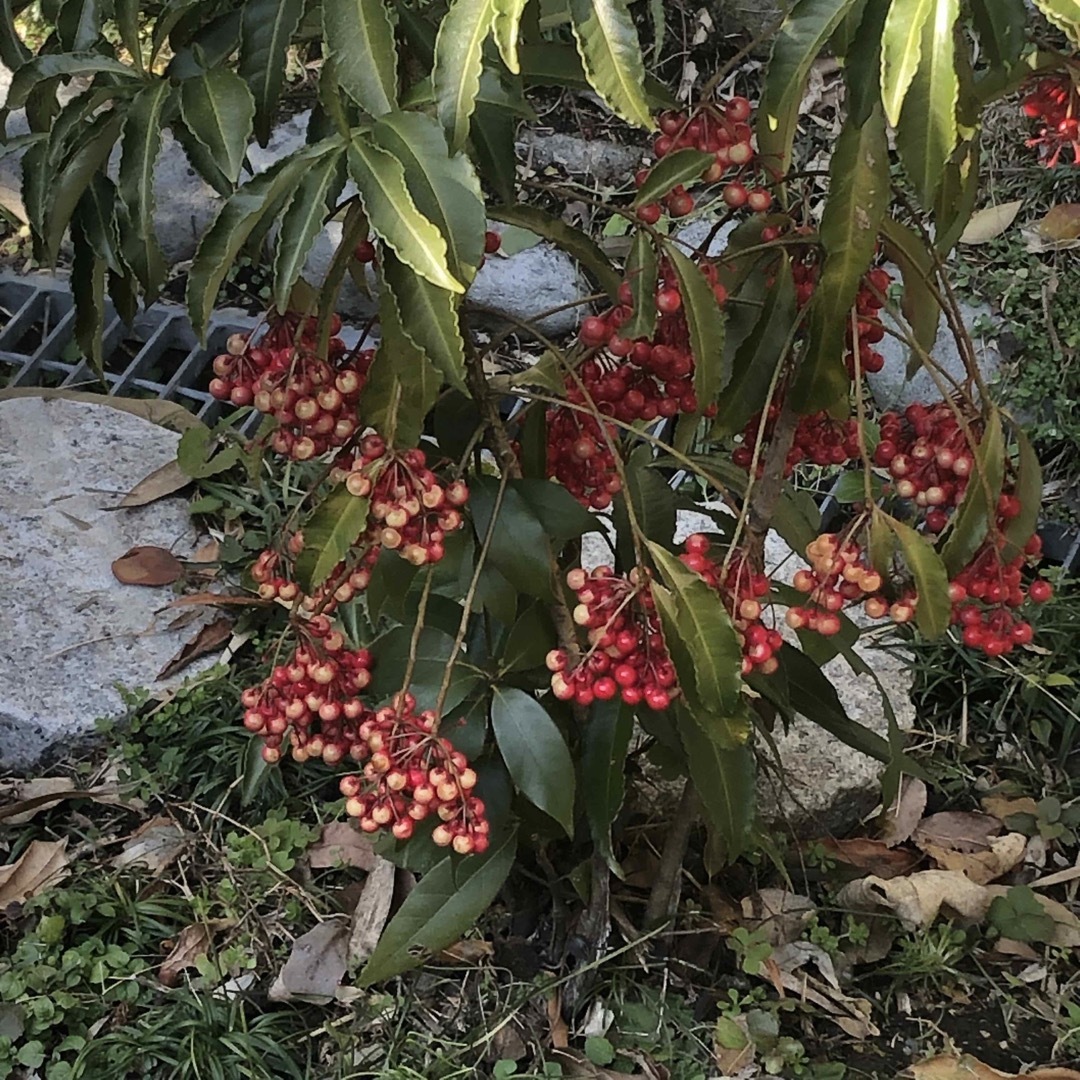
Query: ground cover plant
(441,652)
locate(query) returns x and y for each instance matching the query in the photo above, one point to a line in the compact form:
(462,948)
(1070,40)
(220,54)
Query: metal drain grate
(159,356)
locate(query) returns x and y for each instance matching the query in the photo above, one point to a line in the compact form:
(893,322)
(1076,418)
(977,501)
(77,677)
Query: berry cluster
(819,439)
(987,592)
(1054,102)
(722,130)
(627,655)
(929,457)
(839,576)
(580,457)
(312,698)
(741,588)
(410,774)
(313,399)
(410,511)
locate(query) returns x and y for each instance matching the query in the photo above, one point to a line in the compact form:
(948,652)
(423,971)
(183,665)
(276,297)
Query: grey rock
(526,285)
(891,387)
(696,232)
(606,162)
(71,632)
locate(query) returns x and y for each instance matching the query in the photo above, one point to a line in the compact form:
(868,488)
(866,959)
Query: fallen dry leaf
(872,856)
(1005,806)
(156,845)
(1062,222)
(147,565)
(957,830)
(192,943)
(968,1067)
(23,799)
(342,844)
(990,222)
(209,552)
(905,813)
(780,914)
(1004,854)
(467,951)
(167,480)
(558,1032)
(315,966)
(917,900)
(43,863)
(1021,949)
(213,599)
(371,912)
(209,639)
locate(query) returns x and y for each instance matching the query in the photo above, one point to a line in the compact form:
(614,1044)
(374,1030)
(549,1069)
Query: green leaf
(13,53)
(1029,490)
(529,640)
(1020,916)
(266,29)
(723,775)
(607,42)
(1002,28)
(927,131)
(705,322)
(933,611)
(199,453)
(331,531)
(919,302)
(430,318)
(402,384)
(756,359)
(858,198)
(88,289)
(142,143)
(641,272)
(978,508)
(49,66)
(956,198)
(812,694)
(901,51)
(862,61)
(65,189)
(535,753)
(1065,15)
(563,518)
(96,214)
(360,37)
(219,109)
(653,503)
(519,544)
(444,186)
(696,616)
(670,171)
(301,224)
(393,214)
(605,743)
(235,221)
(493,143)
(507,28)
(78,24)
(573,241)
(200,158)
(797,519)
(127,23)
(801,39)
(458,62)
(443,906)
(433,652)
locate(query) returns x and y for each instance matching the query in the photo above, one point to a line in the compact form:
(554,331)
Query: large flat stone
(71,633)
